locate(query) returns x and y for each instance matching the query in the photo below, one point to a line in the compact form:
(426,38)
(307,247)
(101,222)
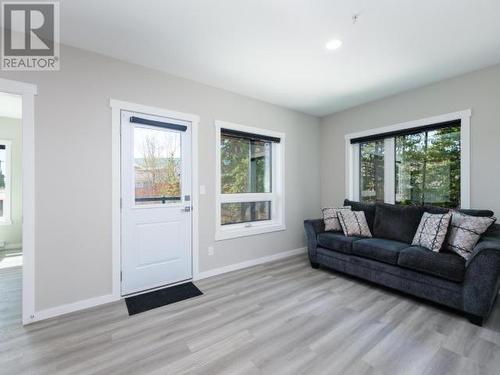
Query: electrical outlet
(211,250)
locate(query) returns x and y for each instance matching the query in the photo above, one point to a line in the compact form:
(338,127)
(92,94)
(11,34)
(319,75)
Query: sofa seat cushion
(446,265)
(383,250)
(336,241)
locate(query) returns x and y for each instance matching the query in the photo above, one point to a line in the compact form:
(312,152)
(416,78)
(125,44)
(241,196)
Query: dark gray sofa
(446,278)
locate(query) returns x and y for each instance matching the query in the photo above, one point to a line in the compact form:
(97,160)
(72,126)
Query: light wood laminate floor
(280,318)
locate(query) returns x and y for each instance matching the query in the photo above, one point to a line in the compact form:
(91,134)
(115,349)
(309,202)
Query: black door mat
(157,298)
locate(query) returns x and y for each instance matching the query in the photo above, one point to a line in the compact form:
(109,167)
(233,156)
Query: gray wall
(479,91)
(10,129)
(73,168)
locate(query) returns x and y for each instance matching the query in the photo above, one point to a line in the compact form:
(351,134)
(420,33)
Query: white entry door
(156,201)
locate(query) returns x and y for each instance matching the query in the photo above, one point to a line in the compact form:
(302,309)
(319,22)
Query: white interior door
(156,202)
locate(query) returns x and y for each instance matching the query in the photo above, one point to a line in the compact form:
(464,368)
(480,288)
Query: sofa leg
(314,265)
(476,320)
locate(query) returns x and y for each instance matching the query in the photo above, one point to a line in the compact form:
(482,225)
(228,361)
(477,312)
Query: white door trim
(116,107)
(27,91)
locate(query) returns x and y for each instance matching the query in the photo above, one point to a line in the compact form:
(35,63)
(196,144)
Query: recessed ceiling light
(333,44)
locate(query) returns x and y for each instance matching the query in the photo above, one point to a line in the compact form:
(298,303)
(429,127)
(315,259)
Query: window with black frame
(246,168)
(426,169)
(249,194)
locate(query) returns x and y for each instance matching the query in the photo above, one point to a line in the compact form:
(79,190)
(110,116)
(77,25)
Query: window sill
(242,231)
(5,222)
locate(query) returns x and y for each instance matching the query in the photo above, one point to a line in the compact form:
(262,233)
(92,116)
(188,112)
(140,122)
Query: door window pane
(245,165)
(244,212)
(371,179)
(428,168)
(157,166)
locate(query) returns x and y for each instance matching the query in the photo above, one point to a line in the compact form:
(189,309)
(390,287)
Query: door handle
(186,209)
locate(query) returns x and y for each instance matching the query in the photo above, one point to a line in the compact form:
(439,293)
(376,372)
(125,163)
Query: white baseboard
(71,307)
(96,301)
(249,263)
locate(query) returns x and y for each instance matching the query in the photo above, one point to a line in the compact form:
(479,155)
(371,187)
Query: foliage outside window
(244,212)
(245,168)
(157,166)
(428,168)
(245,165)
(371,181)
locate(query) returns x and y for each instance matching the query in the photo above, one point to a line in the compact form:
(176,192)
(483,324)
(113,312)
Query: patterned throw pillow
(432,230)
(465,232)
(354,223)
(331,219)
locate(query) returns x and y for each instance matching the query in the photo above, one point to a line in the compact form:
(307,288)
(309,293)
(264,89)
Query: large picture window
(419,163)
(428,168)
(249,182)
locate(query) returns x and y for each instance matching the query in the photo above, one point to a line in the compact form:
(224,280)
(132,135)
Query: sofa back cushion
(470,212)
(493,231)
(477,213)
(436,210)
(367,208)
(396,222)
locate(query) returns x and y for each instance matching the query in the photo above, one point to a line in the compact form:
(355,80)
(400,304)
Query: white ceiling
(273,50)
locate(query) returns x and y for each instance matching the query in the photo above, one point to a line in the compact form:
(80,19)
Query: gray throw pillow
(331,219)
(432,230)
(354,223)
(465,232)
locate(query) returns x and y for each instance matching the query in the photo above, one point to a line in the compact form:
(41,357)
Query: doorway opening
(11,259)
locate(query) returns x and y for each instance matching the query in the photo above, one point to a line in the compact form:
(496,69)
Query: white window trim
(352,155)
(277,196)
(6,219)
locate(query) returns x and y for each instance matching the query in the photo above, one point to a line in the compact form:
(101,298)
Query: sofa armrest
(313,228)
(482,277)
